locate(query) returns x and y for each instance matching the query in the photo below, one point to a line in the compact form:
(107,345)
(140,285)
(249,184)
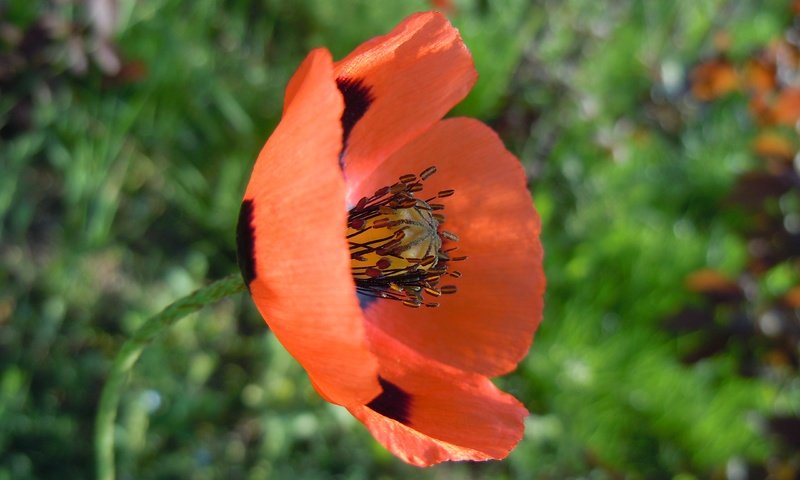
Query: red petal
(450,414)
(488,325)
(300,258)
(413,76)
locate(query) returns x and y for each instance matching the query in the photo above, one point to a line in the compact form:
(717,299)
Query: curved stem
(129,353)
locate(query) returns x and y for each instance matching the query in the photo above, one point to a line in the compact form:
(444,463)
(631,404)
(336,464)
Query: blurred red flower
(340,232)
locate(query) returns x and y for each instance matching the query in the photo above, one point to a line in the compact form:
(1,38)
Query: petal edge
(416,73)
(302,283)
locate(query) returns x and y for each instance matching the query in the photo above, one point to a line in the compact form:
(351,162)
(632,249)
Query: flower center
(396,244)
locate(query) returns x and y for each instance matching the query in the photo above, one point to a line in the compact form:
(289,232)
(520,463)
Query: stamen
(356,224)
(433,291)
(383,263)
(408,178)
(427,173)
(396,246)
(399,187)
(449,235)
(445,193)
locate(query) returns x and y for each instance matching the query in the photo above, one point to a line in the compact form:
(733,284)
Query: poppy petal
(487,326)
(292,248)
(398,85)
(430,413)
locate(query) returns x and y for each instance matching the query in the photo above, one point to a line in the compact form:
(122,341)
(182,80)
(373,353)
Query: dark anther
(396,243)
(427,173)
(383,263)
(408,178)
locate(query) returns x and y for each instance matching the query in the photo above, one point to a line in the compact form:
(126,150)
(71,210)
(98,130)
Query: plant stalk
(129,353)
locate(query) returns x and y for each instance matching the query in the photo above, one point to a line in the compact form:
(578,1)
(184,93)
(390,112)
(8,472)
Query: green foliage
(119,194)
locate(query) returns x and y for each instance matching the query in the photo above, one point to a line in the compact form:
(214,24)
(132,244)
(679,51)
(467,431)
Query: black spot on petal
(357,99)
(393,402)
(245,243)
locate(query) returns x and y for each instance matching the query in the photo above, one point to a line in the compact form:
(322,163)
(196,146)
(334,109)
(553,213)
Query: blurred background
(660,140)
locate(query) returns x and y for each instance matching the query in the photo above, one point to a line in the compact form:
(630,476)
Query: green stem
(129,353)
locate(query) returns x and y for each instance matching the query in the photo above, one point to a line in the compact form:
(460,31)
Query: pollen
(398,250)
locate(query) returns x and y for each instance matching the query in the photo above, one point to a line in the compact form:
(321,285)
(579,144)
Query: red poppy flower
(347,238)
